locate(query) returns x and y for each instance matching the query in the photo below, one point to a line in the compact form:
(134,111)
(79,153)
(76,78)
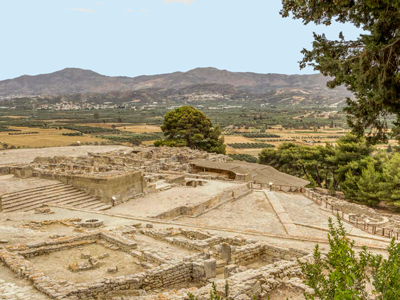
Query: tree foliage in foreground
(368,66)
(187,126)
(342,274)
(345,274)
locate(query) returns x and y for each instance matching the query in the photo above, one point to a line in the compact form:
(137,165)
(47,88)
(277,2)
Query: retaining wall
(230,194)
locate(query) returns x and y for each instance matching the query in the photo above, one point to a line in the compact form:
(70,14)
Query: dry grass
(16,117)
(148,142)
(131,128)
(44,138)
(232,139)
(284,134)
(141,128)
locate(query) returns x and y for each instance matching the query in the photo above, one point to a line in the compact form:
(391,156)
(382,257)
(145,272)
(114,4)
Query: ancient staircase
(62,194)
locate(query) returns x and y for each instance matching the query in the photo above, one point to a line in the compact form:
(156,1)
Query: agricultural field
(142,128)
(241,127)
(24,137)
(277,136)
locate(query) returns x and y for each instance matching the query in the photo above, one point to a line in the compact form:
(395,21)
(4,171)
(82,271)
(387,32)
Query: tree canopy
(321,165)
(345,274)
(367,66)
(187,126)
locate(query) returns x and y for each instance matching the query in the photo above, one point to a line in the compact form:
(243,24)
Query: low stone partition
(190,244)
(162,276)
(197,268)
(247,284)
(101,237)
(228,195)
(195,234)
(6,170)
(255,251)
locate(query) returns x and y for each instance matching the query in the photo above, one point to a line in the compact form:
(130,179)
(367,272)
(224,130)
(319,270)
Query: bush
(250,145)
(73,134)
(243,157)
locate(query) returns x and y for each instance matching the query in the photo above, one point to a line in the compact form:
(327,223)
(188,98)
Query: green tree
(386,273)
(349,186)
(342,275)
(302,161)
(390,185)
(188,126)
(348,154)
(368,66)
(368,185)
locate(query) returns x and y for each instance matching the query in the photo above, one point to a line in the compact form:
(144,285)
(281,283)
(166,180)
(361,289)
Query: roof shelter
(244,171)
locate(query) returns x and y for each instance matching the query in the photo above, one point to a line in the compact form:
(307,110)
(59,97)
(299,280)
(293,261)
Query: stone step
(97,205)
(50,197)
(74,200)
(31,191)
(26,206)
(62,194)
(89,204)
(39,203)
(104,207)
(46,194)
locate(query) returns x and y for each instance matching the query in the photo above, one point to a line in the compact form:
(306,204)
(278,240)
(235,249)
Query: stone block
(112,270)
(226,252)
(210,267)
(86,255)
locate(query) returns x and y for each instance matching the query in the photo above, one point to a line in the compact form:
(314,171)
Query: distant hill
(74,81)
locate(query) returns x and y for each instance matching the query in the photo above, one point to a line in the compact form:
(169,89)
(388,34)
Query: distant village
(34,102)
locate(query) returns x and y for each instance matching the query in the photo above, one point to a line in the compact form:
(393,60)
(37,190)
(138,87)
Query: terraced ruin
(160,223)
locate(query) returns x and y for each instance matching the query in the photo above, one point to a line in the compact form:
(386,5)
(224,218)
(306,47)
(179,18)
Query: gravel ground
(154,204)
(249,213)
(24,156)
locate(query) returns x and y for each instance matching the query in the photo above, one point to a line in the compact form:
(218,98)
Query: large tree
(367,66)
(390,185)
(302,161)
(188,126)
(349,155)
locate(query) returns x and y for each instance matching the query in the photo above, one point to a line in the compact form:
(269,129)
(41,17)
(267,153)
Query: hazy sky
(144,37)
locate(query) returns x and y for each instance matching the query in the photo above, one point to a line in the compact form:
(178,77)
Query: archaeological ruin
(163,223)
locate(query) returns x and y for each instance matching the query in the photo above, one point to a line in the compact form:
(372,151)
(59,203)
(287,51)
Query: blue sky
(145,37)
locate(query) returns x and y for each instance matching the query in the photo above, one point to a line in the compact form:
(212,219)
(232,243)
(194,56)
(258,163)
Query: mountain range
(79,81)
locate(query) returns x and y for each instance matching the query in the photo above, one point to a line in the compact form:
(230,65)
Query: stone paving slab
(283,216)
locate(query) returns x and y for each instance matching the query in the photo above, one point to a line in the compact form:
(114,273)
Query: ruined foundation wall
(230,194)
(122,187)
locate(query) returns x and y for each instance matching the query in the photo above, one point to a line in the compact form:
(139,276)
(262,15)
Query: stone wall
(227,195)
(247,284)
(197,268)
(249,253)
(123,187)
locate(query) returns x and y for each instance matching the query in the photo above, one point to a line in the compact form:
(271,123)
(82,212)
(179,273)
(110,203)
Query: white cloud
(188,2)
(83,9)
(98,3)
